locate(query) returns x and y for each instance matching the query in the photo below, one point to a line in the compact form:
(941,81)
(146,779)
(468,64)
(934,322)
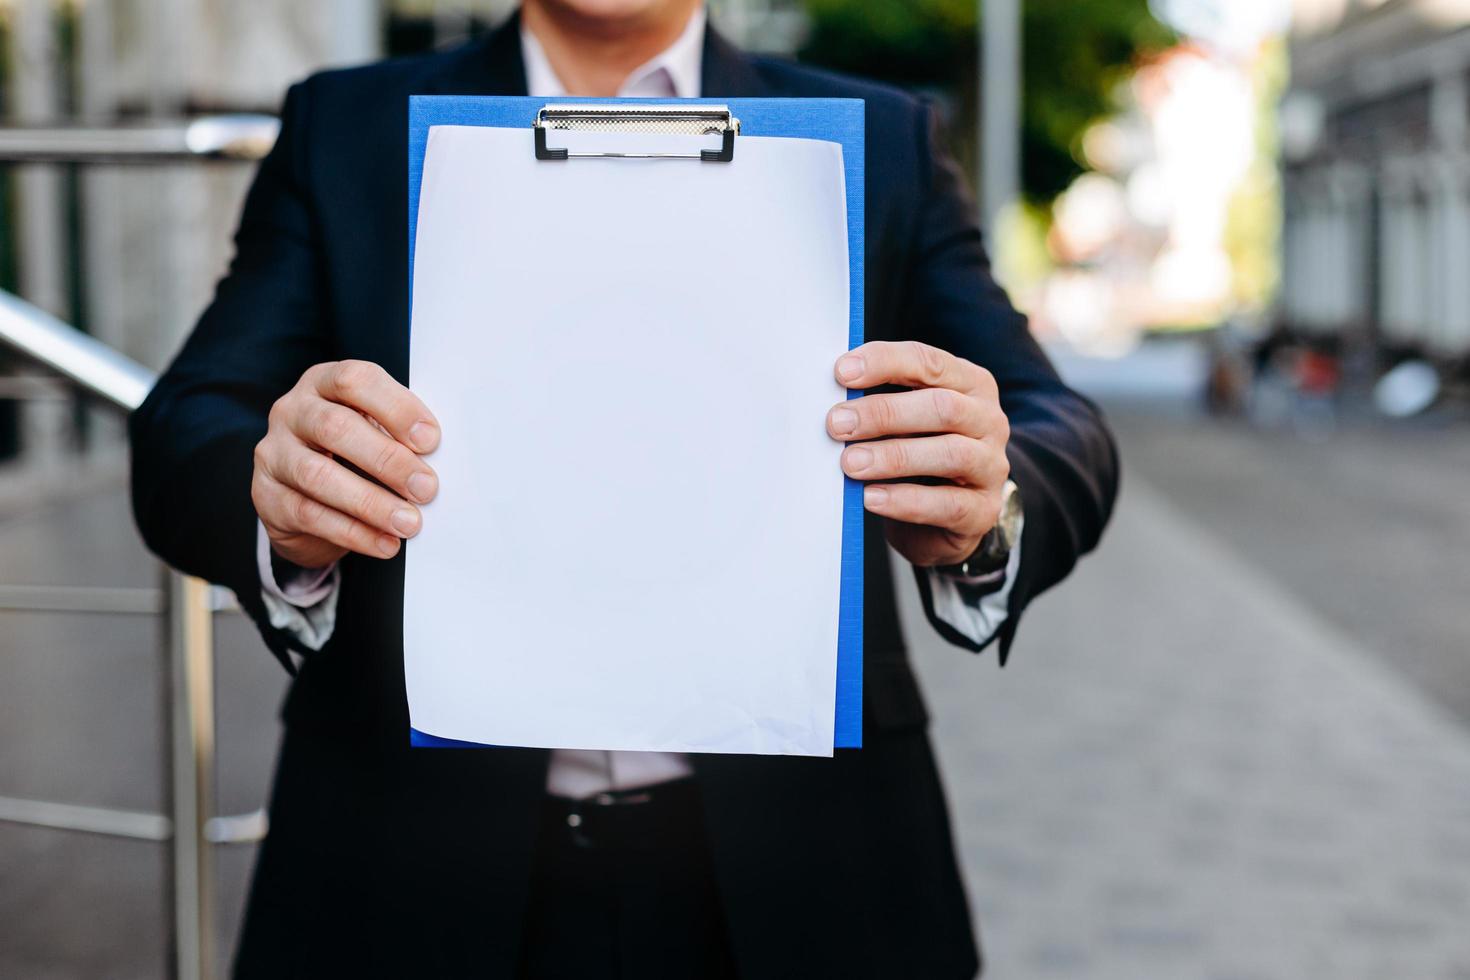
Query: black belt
(627,817)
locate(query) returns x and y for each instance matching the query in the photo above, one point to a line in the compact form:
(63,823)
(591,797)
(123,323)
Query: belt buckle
(624,797)
(601,801)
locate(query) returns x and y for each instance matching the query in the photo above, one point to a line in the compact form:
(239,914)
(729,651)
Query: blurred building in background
(1376,141)
(131,253)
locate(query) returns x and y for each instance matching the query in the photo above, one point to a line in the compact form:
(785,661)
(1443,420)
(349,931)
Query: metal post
(191,670)
(1000,108)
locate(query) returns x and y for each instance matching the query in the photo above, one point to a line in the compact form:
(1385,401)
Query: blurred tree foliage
(1076,53)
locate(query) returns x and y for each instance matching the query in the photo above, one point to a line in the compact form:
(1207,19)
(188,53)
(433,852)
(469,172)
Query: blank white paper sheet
(637,540)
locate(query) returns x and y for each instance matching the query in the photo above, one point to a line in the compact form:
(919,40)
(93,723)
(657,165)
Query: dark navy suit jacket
(386,861)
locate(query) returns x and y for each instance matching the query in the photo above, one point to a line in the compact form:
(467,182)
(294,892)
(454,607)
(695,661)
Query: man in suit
(282,455)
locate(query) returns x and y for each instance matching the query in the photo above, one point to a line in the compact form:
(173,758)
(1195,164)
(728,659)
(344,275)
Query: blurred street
(1225,748)
(1234,746)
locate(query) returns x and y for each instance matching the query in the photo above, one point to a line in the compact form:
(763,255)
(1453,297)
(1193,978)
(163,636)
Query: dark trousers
(622,887)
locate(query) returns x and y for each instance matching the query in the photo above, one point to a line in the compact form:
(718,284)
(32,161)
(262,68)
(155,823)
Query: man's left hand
(949,426)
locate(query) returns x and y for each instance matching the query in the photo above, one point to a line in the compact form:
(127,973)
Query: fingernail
(422,486)
(849,367)
(858,459)
(844,421)
(874,496)
(388,545)
(406,521)
(424,436)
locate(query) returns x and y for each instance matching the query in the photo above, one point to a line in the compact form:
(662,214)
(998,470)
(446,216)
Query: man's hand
(345,425)
(955,431)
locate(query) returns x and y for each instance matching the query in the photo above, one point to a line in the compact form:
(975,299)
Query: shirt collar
(674,72)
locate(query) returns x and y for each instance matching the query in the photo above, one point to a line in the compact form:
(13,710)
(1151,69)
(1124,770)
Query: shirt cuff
(976,607)
(306,604)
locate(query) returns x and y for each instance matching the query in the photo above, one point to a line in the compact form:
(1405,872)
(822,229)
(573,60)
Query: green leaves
(908,42)
(1076,54)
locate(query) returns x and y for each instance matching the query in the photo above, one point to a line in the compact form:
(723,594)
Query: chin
(613,11)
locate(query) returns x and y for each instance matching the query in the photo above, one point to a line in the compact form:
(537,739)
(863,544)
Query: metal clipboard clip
(683,120)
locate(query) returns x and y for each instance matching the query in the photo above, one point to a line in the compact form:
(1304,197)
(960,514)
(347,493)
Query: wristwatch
(995,548)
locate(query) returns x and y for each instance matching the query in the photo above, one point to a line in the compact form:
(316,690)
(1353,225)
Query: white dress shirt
(307,607)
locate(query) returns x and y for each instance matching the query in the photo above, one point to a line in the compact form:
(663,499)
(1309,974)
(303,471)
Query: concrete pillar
(35,98)
(1348,241)
(1405,259)
(1320,273)
(40,232)
(1449,330)
(1289,297)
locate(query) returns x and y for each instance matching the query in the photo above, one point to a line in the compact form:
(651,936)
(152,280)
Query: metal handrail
(84,361)
(190,826)
(231,137)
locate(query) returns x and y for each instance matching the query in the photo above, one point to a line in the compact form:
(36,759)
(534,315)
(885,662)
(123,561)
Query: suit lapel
(490,66)
(727,71)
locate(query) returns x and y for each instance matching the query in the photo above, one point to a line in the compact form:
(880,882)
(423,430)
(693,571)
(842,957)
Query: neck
(594,55)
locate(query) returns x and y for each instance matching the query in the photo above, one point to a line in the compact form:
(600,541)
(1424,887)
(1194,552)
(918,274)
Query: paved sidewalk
(1186,774)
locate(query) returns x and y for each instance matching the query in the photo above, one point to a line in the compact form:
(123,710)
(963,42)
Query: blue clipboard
(833,120)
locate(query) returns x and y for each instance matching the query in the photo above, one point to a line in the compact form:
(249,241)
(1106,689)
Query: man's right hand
(315,508)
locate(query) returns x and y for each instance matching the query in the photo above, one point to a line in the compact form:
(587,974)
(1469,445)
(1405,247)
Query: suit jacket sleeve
(193,439)
(1061,454)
